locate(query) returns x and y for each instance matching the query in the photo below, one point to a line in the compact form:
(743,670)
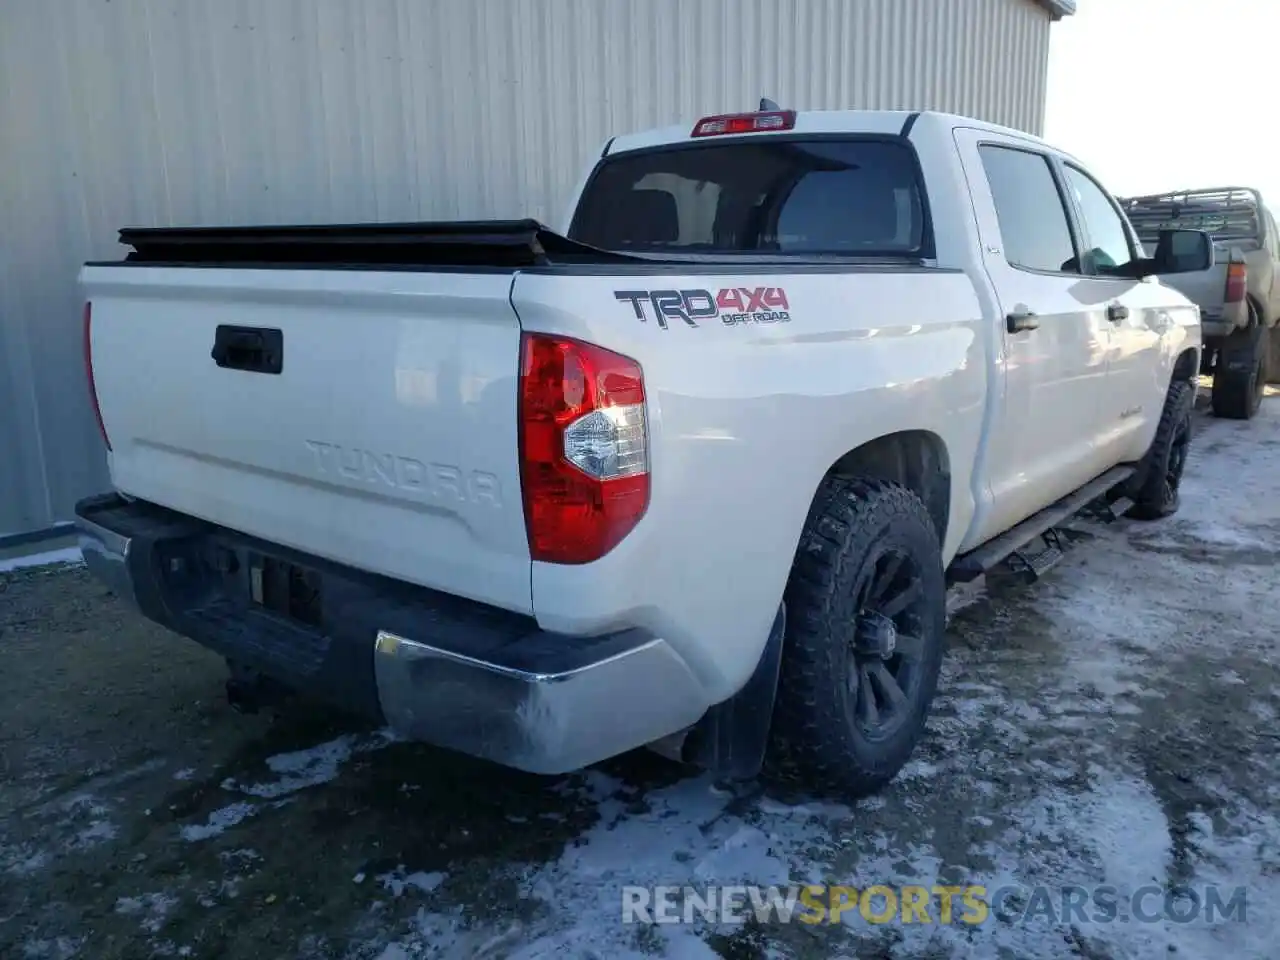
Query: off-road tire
(1273,354)
(1240,374)
(1160,474)
(854,530)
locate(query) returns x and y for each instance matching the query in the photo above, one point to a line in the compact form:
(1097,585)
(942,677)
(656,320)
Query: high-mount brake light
(762,122)
(584,451)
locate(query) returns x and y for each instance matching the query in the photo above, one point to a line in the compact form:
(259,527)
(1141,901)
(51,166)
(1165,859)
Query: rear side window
(1033,221)
(774,195)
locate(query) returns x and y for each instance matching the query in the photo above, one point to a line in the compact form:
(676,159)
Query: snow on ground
(41,559)
(312,766)
(1072,674)
(1109,729)
(298,770)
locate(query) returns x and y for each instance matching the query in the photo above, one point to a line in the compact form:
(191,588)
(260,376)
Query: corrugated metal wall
(146,112)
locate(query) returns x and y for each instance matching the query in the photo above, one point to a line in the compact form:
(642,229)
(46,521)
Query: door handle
(1021,320)
(1117,312)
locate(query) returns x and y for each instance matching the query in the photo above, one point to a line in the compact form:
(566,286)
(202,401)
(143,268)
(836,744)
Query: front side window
(1108,245)
(772,195)
(1033,221)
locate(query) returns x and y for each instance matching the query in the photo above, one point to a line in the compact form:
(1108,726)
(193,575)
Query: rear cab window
(779,195)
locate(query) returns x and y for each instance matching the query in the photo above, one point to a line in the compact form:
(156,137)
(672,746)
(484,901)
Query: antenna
(767,104)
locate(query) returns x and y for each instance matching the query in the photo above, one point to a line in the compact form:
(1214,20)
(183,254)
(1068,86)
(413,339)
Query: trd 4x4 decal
(733,305)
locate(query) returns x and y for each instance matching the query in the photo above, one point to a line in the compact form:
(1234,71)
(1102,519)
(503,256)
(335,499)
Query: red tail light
(584,459)
(1236,282)
(745,123)
(88,372)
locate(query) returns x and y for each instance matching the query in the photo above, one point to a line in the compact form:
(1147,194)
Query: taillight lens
(584,454)
(1237,280)
(88,372)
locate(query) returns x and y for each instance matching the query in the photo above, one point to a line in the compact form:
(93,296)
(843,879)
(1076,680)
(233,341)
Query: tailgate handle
(255,349)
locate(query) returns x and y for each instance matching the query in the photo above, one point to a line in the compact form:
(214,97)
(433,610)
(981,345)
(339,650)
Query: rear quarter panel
(745,418)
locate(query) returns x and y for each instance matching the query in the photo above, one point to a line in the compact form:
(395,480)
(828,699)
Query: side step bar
(1035,564)
(969,566)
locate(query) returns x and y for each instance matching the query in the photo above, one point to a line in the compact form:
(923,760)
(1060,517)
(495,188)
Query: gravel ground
(1114,724)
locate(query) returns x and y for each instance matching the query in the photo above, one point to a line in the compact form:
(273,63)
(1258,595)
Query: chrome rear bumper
(552,720)
(436,668)
(106,554)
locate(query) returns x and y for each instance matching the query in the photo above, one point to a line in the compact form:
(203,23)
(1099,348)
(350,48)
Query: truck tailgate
(1205,288)
(387,440)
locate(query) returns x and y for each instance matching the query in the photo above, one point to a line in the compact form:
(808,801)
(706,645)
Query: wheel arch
(730,740)
(1257,309)
(1187,366)
(916,459)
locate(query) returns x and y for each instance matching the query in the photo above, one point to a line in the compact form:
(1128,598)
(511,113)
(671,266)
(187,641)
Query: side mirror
(1182,251)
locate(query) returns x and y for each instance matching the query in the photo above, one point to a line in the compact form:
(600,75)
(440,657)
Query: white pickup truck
(693,472)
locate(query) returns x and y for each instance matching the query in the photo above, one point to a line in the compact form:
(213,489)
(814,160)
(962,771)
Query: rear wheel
(1240,374)
(866,608)
(1161,470)
(1273,354)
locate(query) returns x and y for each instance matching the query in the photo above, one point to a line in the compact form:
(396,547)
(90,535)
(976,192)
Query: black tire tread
(1236,393)
(1151,500)
(1273,354)
(845,520)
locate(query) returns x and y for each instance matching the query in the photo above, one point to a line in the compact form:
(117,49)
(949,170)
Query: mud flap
(1241,373)
(731,740)
(1273,355)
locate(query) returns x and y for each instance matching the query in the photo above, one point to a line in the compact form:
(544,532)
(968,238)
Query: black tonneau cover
(474,243)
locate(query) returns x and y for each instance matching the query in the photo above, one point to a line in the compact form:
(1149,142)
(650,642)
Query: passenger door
(1044,437)
(1137,311)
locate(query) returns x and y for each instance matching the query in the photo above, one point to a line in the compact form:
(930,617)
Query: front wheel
(866,612)
(1160,475)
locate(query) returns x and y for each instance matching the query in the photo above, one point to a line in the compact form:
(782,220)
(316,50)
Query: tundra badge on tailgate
(733,305)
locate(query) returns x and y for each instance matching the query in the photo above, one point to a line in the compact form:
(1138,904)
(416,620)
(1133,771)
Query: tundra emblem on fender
(733,305)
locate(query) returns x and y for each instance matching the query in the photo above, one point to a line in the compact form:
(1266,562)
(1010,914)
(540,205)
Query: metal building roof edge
(1059,8)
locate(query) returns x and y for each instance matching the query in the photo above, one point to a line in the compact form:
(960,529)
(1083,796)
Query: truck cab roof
(884,122)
